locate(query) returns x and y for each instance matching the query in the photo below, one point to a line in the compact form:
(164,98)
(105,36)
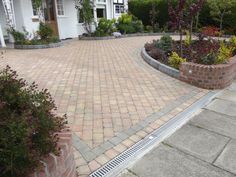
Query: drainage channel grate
(113,167)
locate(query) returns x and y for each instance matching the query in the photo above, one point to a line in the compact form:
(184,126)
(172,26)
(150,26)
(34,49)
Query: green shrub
(45,32)
(175,60)
(105,27)
(19,37)
(27,125)
(129,24)
(225,53)
(165,43)
(209,59)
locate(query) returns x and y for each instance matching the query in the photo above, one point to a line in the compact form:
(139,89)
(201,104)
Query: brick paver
(108,92)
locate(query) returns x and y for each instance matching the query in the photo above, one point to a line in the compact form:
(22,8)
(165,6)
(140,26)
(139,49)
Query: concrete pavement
(204,147)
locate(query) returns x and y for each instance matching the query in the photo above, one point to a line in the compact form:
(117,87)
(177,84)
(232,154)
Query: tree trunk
(197,21)
(191,29)
(181,42)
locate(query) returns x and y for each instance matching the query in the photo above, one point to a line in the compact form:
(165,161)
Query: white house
(61,15)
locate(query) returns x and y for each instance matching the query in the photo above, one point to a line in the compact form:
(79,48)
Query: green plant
(232,41)
(105,27)
(28,125)
(224,54)
(165,43)
(187,39)
(209,59)
(175,60)
(129,24)
(19,37)
(219,9)
(45,32)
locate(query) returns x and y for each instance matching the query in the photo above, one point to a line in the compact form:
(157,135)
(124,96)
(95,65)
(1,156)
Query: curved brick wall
(59,166)
(209,77)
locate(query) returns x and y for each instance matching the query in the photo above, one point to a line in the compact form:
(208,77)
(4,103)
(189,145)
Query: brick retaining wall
(209,77)
(59,166)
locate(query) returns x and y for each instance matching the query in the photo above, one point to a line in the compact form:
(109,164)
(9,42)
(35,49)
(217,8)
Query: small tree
(176,15)
(37,4)
(194,9)
(220,8)
(86,7)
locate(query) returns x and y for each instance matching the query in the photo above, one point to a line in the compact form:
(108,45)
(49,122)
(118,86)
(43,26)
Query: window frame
(62,6)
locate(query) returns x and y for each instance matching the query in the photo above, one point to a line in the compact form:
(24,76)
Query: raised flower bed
(43,38)
(205,63)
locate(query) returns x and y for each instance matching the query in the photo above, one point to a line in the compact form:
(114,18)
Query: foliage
(129,24)
(187,39)
(86,6)
(225,52)
(105,27)
(165,43)
(43,36)
(210,31)
(142,8)
(220,8)
(153,16)
(209,59)
(45,31)
(27,125)
(232,41)
(175,60)
(19,37)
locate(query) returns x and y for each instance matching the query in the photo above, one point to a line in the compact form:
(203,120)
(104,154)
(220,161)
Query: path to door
(111,96)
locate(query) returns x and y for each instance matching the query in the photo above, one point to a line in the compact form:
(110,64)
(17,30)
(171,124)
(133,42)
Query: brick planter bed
(209,77)
(45,46)
(204,76)
(59,166)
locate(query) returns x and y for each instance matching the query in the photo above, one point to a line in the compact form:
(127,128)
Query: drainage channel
(119,163)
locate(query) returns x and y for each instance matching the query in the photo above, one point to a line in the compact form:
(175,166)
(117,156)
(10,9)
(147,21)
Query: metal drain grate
(121,158)
(113,167)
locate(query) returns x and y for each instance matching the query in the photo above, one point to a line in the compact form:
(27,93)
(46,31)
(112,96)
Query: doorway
(50,15)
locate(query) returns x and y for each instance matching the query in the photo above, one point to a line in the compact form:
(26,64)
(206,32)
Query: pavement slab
(223,107)
(165,161)
(227,159)
(198,142)
(219,123)
(229,95)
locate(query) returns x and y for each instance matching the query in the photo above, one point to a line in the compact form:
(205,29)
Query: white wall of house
(24,16)
(3,19)
(67,24)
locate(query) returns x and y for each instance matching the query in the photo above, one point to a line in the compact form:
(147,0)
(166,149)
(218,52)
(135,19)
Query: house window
(119,9)
(101,13)
(60,7)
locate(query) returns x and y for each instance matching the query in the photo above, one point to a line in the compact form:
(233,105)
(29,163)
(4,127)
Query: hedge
(141,9)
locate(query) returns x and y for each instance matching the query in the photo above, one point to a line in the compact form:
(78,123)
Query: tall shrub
(28,125)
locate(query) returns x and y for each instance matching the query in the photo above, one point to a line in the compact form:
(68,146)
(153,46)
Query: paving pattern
(111,96)
(205,146)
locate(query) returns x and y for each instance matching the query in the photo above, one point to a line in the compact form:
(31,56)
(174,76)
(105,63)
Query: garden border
(160,66)
(44,46)
(204,76)
(124,36)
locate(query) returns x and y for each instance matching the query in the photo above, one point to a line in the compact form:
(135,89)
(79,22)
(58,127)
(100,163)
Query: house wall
(3,19)
(24,14)
(67,24)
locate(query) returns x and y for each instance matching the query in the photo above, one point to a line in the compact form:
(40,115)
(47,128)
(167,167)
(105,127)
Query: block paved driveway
(111,96)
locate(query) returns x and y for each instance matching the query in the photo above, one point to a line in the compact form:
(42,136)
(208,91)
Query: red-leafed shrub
(28,125)
(211,31)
